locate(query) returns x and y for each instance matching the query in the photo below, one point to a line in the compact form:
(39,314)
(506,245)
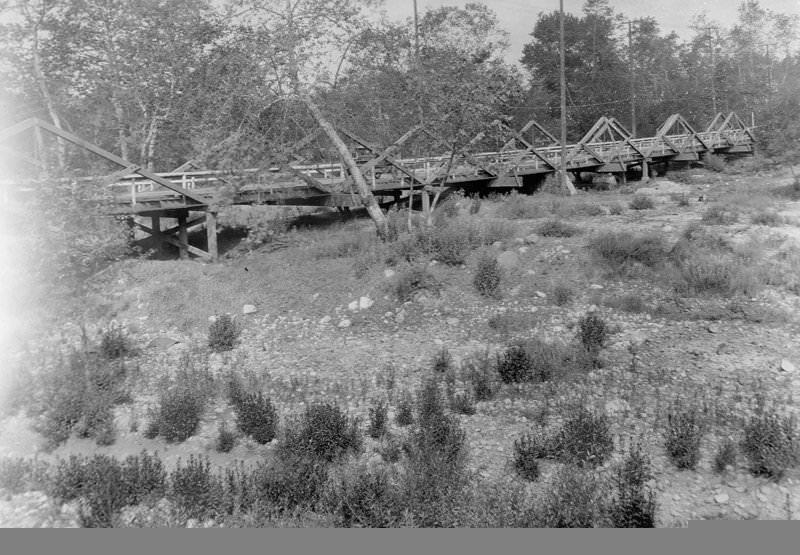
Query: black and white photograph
(334,264)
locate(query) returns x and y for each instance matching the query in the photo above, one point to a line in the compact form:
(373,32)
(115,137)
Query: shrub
(114,343)
(526,454)
(620,249)
(683,435)
(463,403)
(474,205)
(377,420)
(628,302)
(363,498)
(725,456)
(714,162)
(616,209)
(681,199)
(256,416)
(18,475)
(413,279)
(585,439)
(294,480)
(720,215)
(325,434)
(442,361)
(514,365)
(766,217)
(225,439)
(487,275)
(641,202)
(195,488)
(709,274)
(178,414)
(574,500)
(223,333)
(391,450)
(451,243)
(405,411)
(770,444)
(634,504)
(557,228)
(478,368)
(548,360)
(562,295)
(593,333)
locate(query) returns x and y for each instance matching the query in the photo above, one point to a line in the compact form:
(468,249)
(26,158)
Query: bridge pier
(183,236)
(211,234)
(155,225)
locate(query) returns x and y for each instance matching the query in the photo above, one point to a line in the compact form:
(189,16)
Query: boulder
(249,309)
(788,366)
(344,323)
(364,303)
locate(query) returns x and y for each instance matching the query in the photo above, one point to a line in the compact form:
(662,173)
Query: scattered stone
(595,286)
(712,328)
(249,309)
(388,273)
(541,295)
(325,320)
(212,319)
(787,366)
(400,317)
(497,245)
(344,323)
(353,306)
(514,291)
(438,341)
(364,303)
(523,250)
(722,498)
(724,349)
(508,260)
(453,322)
(163,342)
(668,229)
(532,239)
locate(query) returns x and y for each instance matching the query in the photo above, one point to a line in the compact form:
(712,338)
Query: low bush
(413,279)
(770,444)
(18,475)
(516,207)
(514,365)
(619,249)
(487,275)
(562,295)
(683,435)
(363,498)
(479,369)
(325,434)
(725,456)
(593,333)
(223,333)
(716,274)
(766,217)
(180,407)
(720,215)
(114,343)
(442,361)
(641,202)
(378,415)
(585,439)
(634,503)
(405,411)
(195,488)
(714,162)
(616,209)
(528,449)
(225,439)
(256,416)
(557,228)
(463,403)
(573,500)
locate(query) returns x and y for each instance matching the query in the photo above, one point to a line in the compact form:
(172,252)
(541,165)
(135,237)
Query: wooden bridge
(531,152)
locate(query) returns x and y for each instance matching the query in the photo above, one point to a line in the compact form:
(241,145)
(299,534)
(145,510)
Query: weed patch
(770,444)
(683,435)
(223,333)
(557,228)
(641,202)
(487,275)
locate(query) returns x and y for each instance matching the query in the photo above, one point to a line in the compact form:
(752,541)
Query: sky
(519,16)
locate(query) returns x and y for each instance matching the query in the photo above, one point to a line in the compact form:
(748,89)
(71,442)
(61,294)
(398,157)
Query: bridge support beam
(155,226)
(211,234)
(645,170)
(183,236)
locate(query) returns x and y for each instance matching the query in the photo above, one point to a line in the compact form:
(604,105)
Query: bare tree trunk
(367,198)
(120,116)
(48,100)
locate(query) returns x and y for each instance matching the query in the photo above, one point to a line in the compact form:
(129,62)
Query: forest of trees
(234,83)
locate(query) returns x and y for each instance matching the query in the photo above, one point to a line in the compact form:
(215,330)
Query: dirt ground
(303,343)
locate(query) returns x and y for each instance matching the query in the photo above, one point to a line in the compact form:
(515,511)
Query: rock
(325,320)
(532,239)
(162,342)
(497,245)
(722,498)
(541,295)
(668,229)
(508,260)
(724,349)
(353,306)
(712,328)
(787,366)
(453,322)
(522,250)
(344,323)
(595,286)
(400,317)
(249,309)
(514,291)
(364,303)
(212,319)
(617,406)
(388,273)
(438,341)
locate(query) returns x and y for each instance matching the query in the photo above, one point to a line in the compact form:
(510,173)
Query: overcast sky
(519,16)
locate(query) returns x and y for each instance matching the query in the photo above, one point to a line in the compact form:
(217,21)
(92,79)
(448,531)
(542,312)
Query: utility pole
(565,182)
(632,78)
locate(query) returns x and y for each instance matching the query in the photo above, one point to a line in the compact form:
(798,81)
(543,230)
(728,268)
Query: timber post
(155,225)
(211,233)
(183,236)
